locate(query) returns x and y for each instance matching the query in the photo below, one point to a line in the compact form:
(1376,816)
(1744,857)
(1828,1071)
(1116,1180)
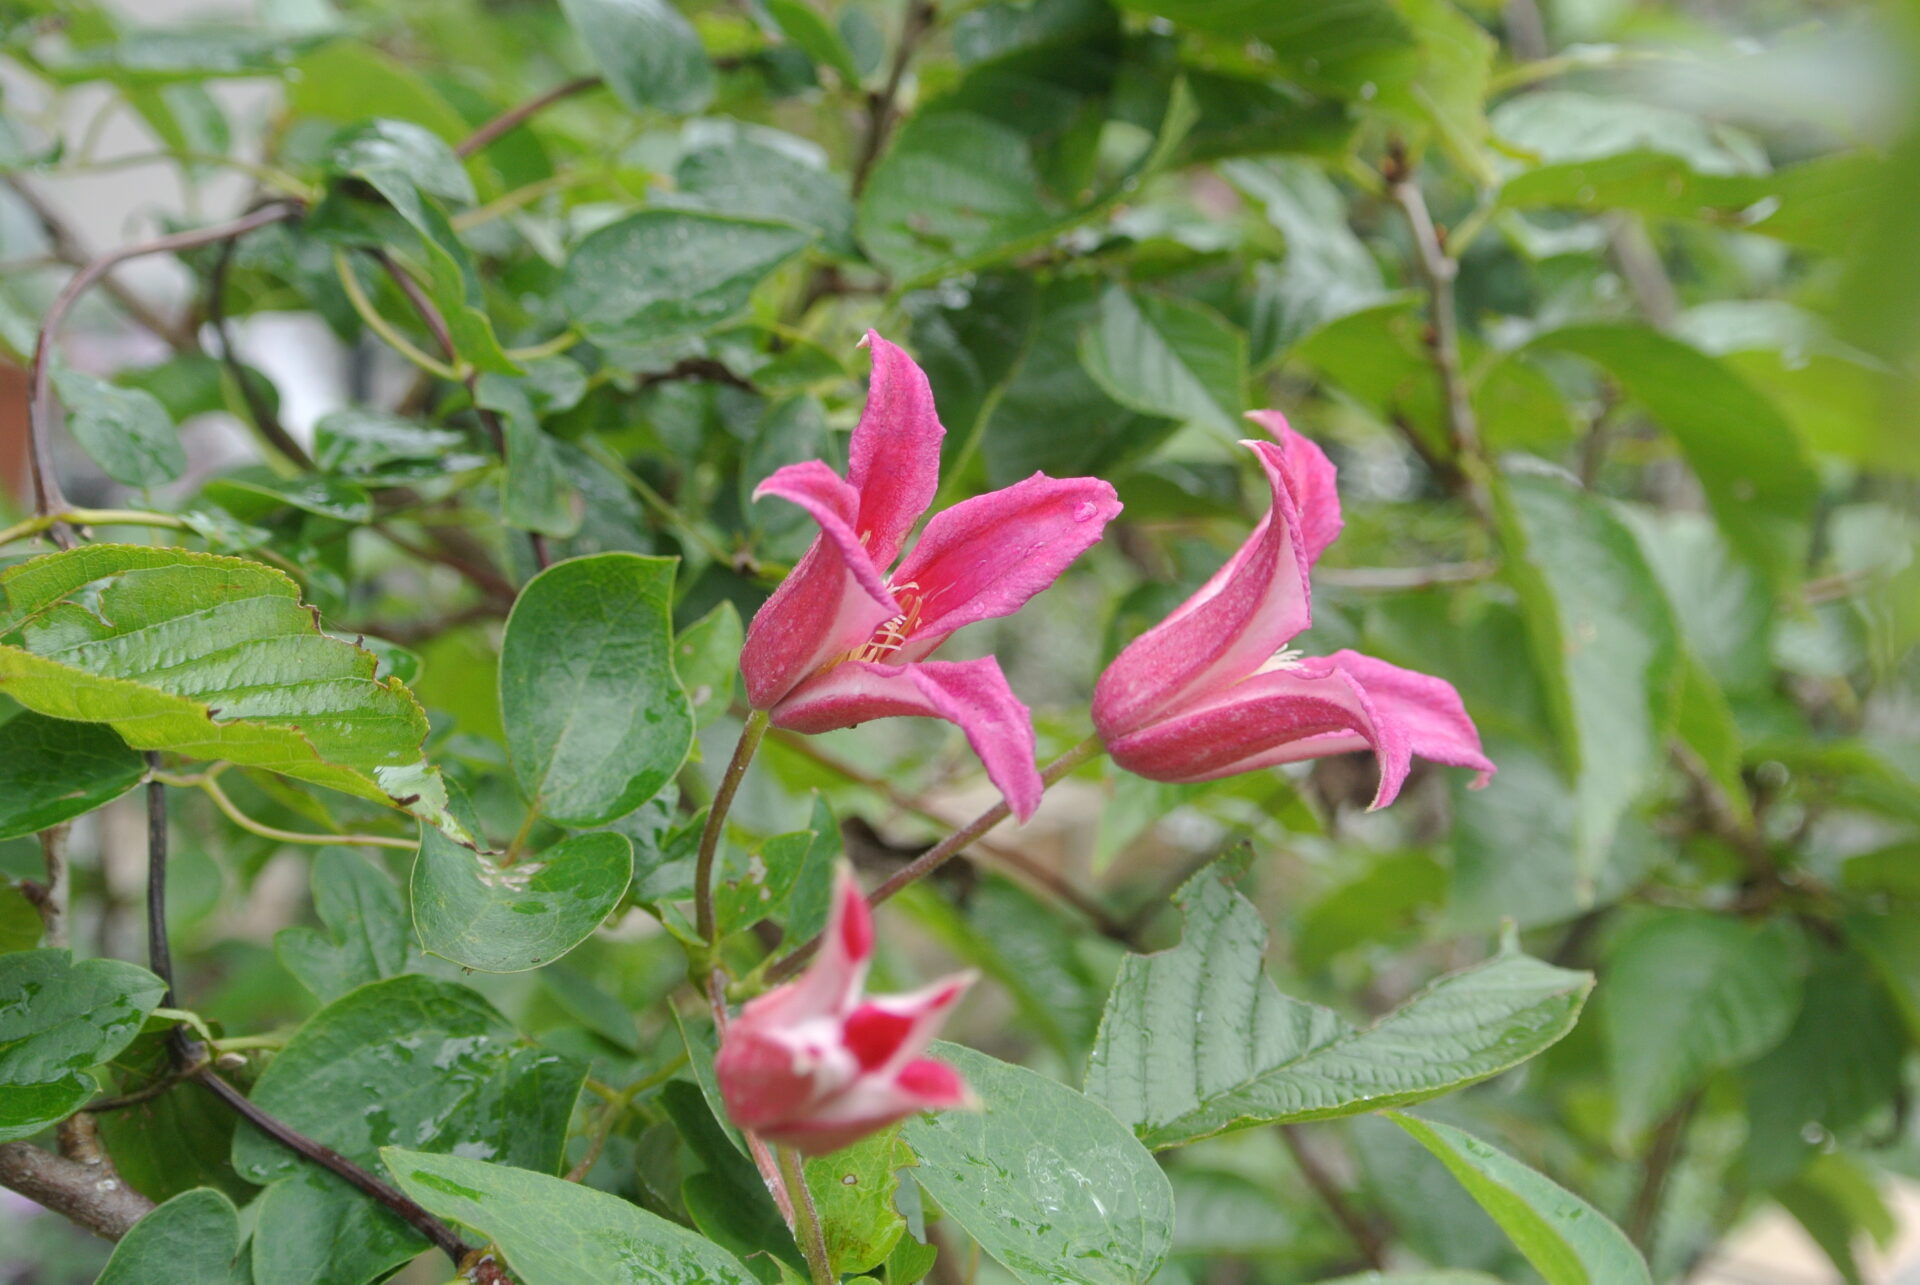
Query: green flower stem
(91,517)
(704,923)
(806,1219)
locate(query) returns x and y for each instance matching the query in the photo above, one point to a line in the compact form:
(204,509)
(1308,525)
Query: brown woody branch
(514,117)
(86,1191)
(68,249)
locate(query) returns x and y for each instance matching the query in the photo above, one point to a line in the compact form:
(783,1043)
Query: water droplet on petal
(1084,511)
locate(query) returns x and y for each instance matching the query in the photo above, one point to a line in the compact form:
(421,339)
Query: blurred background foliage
(1608,310)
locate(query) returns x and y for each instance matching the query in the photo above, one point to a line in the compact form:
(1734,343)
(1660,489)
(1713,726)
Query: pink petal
(1239,618)
(971,693)
(871,1103)
(831,985)
(829,604)
(894,458)
(759,1078)
(986,556)
(888,1031)
(1310,479)
(1427,709)
(1281,716)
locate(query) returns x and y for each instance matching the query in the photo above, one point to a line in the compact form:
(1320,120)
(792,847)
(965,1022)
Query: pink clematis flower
(1208,692)
(841,641)
(815,1066)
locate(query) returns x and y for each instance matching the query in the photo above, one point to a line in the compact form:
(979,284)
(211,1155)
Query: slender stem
(534,352)
(1439,269)
(47,496)
(743,751)
(617,1102)
(263,416)
(357,296)
(90,517)
(948,848)
(205,781)
(806,1226)
(1032,870)
(159,953)
(514,117)
(919,20)
(1366,1237)
(1663,1154)
(52,903)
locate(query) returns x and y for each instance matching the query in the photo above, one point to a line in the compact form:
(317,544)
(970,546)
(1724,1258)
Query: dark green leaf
(1197,1040)
(311,1228)
(537,495)
(650,55)
(853,1192)
(596,719)
(193,1239)
(561,1233)
(502,918)
(125,430)
(57,1019)
(254,493)
(366,933)
(1047,1181)
(804,26)
(407,151)
(52,770)
(1167,357)
(659,274)
(706,655)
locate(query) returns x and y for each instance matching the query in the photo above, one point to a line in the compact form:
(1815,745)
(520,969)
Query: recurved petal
(888,1031)
(1310,479)
(893,460)
(829,604)
(986,556)
(832,983)
(872,1103)
(1426,709)
(1281,716)
(970,693)
(1239,618)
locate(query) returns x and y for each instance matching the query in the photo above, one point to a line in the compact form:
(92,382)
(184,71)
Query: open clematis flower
(816,1066)
(1209,692)
(840,641)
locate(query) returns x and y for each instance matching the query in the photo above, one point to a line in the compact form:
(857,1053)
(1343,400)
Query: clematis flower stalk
(1210,691)
(842,641)
(816,1065)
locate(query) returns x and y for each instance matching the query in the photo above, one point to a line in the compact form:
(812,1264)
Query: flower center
(891,634)
(1285,658)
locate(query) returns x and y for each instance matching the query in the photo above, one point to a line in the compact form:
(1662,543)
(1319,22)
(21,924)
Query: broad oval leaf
(1197,1040)
(664,273)
(52,770)
(414,1059)
(211,657)
(57,1019)
(1568,1241)
(651,55)
(1688,993)
(1170,357)
(1048,1182)
(509,918)
(366,933)
(596,719)
(193,1239)
(552,1232)
(311,1228)
(126,430)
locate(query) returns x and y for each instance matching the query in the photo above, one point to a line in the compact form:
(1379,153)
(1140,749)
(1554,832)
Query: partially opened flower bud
(816,1066)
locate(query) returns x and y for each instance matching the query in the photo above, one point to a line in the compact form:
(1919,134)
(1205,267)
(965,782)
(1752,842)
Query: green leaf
(366,927)
(52,770)
(1688,993)
(853,1193)
(759,173)
(1327,272)
(1604,644)
(537,495)
(256,492)
(1568,1241)
(1749,460)
(348,81)
(57,1019)
(1046,1180)
(193,1239)
(596,720)
(805,26)
(364,442)
(406,150)
(659,274)
(1444,1277)
(706,655)
(1198,1041)
(216,658)
(172,1143)
(756,885)
(311,1228)
(1165,356)
(1339,44)
(650,55)
(413,1058)
(509,918)
(552,1232)
(126,430)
